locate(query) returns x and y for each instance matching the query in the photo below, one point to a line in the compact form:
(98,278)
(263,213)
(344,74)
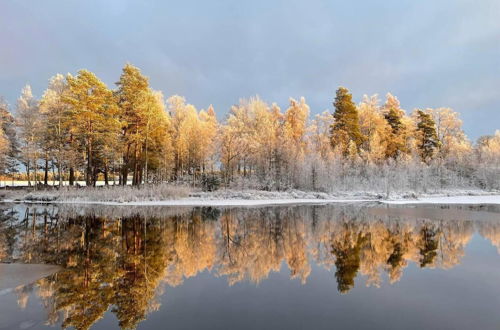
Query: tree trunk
(176,166)
(35,170)
(125,175)
(59,173)
(140,176)
(134,174)
(89,172)
(71,176)
(53,175)
(46,171)
(124,171)
(28,172)
(95,173)
(113,173)
(106,182)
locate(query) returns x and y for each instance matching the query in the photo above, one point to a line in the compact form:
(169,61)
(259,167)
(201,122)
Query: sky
(428,53)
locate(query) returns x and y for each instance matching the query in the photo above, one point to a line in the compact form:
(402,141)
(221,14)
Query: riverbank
(184,196)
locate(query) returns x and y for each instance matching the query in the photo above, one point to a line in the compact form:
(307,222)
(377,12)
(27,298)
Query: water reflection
(122,259)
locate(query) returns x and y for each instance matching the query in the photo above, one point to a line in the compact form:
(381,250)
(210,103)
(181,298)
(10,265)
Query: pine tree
(428,141)
(133,88)
(345,128)
(394,116)
(95,120)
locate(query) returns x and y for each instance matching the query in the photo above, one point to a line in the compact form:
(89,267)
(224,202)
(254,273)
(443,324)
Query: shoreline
(484,198)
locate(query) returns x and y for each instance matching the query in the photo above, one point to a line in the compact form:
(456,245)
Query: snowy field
(487,199)
(254,198)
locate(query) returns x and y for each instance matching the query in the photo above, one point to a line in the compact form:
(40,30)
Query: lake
(343,266)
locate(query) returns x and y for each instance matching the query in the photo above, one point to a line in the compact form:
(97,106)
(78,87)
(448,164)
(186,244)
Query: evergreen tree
(345,128)
(95,120)
(428,141)
(132,89)
(394,116)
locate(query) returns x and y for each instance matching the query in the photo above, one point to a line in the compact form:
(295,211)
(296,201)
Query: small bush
(210,182)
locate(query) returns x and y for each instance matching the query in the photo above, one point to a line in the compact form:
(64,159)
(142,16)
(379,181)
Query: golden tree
(95,119)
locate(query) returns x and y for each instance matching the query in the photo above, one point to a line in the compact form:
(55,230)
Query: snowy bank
(179,196)
(202,202)
(484,199)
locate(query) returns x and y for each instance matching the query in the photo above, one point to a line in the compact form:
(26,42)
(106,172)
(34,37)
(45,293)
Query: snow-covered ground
(130,196)
(486,199)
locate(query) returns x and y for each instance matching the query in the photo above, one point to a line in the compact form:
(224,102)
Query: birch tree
(29,123)
(56,123)
(9,156)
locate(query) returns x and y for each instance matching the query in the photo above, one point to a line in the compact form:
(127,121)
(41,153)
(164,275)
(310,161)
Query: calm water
(293,267)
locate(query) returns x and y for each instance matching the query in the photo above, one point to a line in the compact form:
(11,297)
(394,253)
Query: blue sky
(428,53)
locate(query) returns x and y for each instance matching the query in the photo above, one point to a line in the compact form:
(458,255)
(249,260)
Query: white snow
(207,202)
(485,199)
(252,198)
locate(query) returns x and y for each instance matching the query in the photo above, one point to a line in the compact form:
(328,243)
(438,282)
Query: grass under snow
(120,194)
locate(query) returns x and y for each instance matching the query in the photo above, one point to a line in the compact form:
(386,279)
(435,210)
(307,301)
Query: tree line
(80,129)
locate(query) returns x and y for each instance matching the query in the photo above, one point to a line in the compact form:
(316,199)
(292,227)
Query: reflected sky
(293,267)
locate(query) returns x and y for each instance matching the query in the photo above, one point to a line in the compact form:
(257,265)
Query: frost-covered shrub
(150,192)
(210,182)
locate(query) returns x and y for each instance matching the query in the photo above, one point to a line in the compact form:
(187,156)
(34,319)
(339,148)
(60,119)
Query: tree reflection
(122,262)
(428,245)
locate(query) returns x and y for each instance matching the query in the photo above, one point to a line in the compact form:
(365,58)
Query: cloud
(427,52)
